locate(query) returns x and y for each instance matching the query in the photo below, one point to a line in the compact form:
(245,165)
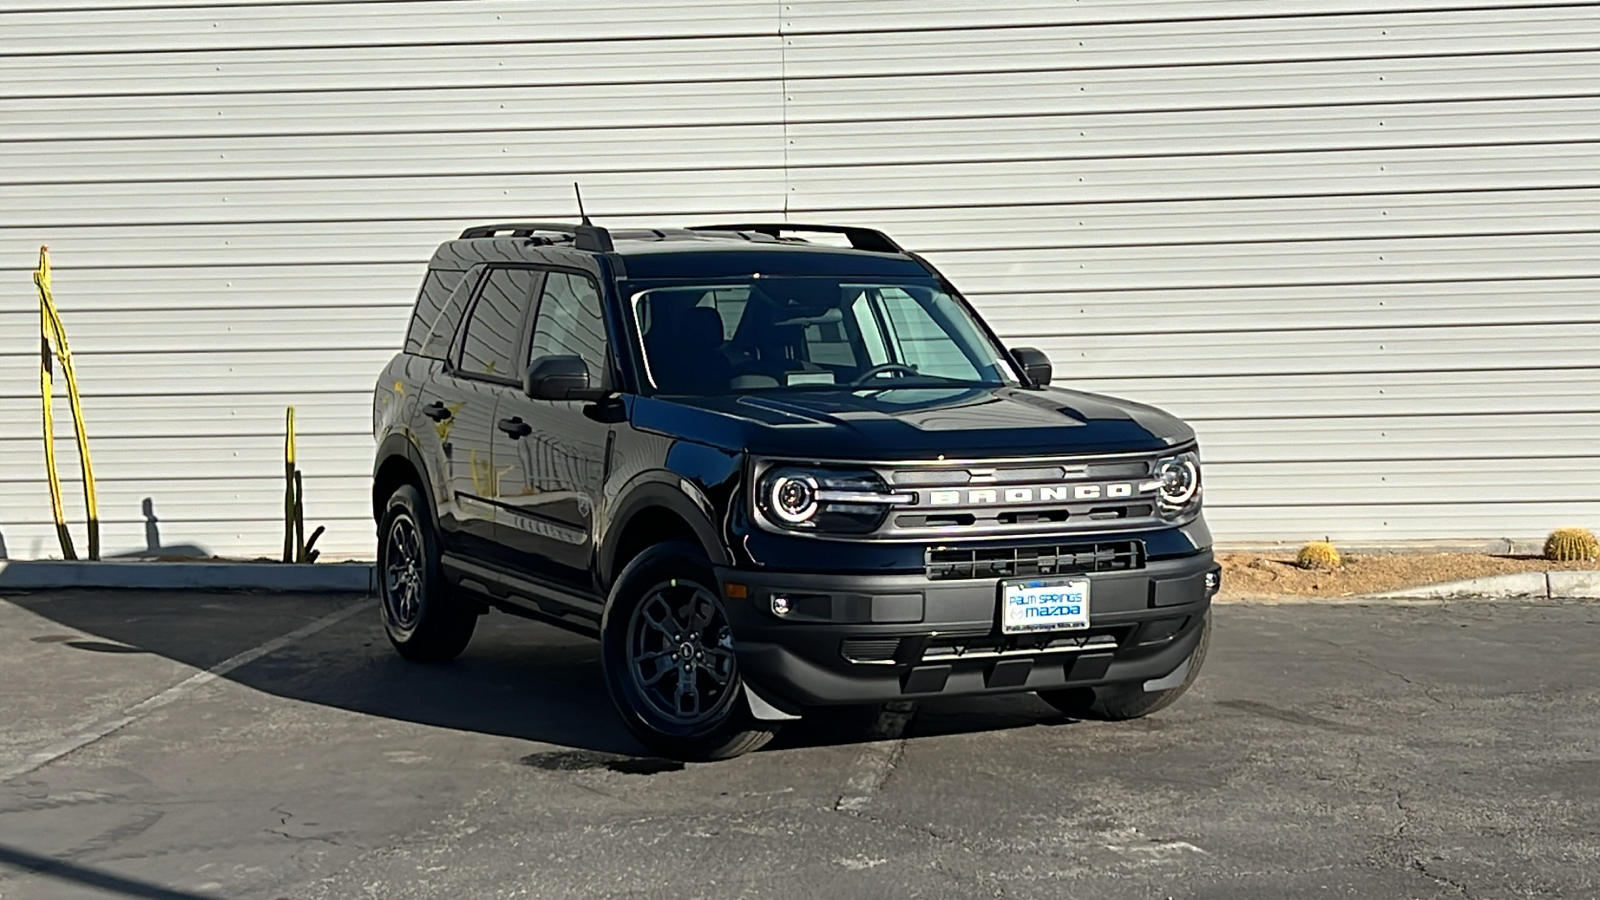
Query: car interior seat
(685,350)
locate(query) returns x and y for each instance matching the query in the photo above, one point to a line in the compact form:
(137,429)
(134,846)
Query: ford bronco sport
(774,468)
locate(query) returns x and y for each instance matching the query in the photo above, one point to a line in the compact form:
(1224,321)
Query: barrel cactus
(1571,545)
(1319,555)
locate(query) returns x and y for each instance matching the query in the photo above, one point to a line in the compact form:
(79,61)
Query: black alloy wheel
(423,618)
(667,650)
(680,653)
(403,573)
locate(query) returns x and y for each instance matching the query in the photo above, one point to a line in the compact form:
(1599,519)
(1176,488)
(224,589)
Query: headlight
(831,501)
(1179,480)
(792,499)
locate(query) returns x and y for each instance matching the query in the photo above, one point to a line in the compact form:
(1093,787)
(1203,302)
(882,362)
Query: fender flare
(673,493)
(399,444)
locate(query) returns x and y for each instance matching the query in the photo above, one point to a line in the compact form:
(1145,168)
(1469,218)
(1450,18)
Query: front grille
(946,563)
(1013,499)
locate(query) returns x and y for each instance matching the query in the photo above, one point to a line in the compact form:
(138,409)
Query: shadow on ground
(518,678)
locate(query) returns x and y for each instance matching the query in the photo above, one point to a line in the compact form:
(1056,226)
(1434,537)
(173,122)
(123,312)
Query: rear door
(552,455)
(483,366)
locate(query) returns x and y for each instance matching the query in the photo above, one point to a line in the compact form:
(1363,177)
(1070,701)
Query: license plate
(1044,605)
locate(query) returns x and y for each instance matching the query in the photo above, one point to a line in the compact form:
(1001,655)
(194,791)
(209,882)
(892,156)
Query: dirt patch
(1276,575)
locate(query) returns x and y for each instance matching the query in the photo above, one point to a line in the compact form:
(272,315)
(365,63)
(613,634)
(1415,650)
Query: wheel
(423,619)
(1116,702)
(667,651)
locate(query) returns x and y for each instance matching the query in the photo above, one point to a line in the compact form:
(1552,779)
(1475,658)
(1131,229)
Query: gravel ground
(1370,751)
(1276,574)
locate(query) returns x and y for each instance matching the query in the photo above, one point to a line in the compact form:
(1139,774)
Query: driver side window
(922,342)
(569,322)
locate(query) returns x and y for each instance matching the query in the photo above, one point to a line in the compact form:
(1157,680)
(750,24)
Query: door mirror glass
(560,378)
(1034,364)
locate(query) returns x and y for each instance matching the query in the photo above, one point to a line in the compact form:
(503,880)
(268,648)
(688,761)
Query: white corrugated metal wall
(1354,242)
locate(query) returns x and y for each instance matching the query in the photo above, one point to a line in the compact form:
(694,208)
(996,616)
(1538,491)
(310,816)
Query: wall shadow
(153,546)
(518,679)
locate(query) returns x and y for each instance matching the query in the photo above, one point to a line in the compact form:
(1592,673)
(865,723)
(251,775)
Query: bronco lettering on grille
(982,496)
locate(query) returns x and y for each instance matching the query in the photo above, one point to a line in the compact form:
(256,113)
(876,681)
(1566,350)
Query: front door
(551,455)
(484,367)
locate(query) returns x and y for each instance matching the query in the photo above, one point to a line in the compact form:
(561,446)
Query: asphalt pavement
(179,746)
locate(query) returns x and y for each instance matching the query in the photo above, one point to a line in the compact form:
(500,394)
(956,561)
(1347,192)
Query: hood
(916,423)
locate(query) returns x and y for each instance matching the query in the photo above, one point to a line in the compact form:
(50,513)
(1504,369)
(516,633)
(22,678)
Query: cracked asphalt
(1351,750)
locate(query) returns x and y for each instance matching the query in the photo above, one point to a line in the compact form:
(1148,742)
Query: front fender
(665,490)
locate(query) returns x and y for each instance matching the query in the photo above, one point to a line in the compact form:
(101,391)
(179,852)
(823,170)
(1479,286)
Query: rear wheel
(422,618)
(1129,700)
(667,651)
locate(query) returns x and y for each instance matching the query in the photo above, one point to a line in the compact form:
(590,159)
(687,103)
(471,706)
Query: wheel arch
(398,462)
(653,512)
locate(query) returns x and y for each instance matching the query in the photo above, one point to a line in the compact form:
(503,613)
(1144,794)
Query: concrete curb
(1553,585)
(42,575)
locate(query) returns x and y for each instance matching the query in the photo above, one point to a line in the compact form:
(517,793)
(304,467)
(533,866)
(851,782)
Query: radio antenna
(581,214)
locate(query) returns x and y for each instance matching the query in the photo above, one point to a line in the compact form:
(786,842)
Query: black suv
(772,474)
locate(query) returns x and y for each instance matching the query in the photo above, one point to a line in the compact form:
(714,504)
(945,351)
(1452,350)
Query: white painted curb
(1575,585)
(1554,585)
(42,575)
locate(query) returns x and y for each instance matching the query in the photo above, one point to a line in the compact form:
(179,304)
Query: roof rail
(584,237)
(859,238)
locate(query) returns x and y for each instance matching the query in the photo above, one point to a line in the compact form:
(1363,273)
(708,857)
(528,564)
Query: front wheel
(1116,702)
(667,652)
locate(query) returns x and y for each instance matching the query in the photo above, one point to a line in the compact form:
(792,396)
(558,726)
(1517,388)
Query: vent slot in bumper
(988,648)
(946,563)
(870,651)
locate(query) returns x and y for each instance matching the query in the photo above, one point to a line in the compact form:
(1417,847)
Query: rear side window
(489,346)
(429,318)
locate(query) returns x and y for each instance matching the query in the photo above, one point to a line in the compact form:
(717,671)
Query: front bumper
(856,638)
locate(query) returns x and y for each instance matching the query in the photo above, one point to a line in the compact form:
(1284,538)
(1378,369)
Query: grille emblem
(1061,493)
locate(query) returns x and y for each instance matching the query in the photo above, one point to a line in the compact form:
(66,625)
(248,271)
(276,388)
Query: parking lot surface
(1373,751)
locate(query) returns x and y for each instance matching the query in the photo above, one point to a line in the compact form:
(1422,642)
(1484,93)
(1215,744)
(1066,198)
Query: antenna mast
(581,214)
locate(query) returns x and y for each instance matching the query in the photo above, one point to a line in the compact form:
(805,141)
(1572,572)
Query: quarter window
(490,344)
(430,316)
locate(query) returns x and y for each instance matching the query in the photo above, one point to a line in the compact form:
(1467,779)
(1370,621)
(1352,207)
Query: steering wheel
(875,371)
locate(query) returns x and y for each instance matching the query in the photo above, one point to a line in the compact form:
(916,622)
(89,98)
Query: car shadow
(518,678)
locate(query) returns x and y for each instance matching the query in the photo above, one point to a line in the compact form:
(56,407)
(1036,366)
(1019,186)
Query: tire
(1128,700)
(423,619)
(667,652)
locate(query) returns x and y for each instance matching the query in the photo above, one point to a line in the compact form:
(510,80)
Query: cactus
(1571,545)
(1318,555)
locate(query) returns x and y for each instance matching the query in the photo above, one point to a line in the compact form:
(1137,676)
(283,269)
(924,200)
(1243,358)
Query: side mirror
(1034,364)
(560,378)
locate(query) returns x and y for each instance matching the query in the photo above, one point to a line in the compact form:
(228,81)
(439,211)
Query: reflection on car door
(550,477)
(463,410)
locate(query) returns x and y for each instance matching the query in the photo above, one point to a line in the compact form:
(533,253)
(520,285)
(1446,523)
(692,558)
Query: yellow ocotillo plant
(53,344)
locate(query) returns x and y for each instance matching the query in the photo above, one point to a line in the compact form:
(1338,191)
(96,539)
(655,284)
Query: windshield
(778,334)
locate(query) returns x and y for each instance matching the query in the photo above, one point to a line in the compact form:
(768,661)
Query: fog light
(780,606)
(1213,581)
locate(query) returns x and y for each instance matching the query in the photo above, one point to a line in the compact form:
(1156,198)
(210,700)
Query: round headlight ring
(1180,480)
(792,499)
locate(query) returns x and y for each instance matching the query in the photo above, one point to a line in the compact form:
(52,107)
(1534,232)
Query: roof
(707,252)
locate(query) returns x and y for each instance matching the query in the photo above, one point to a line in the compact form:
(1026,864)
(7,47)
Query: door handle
(515,427)
(436,411)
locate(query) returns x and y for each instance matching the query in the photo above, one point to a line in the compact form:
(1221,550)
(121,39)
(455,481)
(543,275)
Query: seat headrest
(699,327)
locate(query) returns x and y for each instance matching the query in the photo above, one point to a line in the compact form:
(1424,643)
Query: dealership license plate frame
(1020,594)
